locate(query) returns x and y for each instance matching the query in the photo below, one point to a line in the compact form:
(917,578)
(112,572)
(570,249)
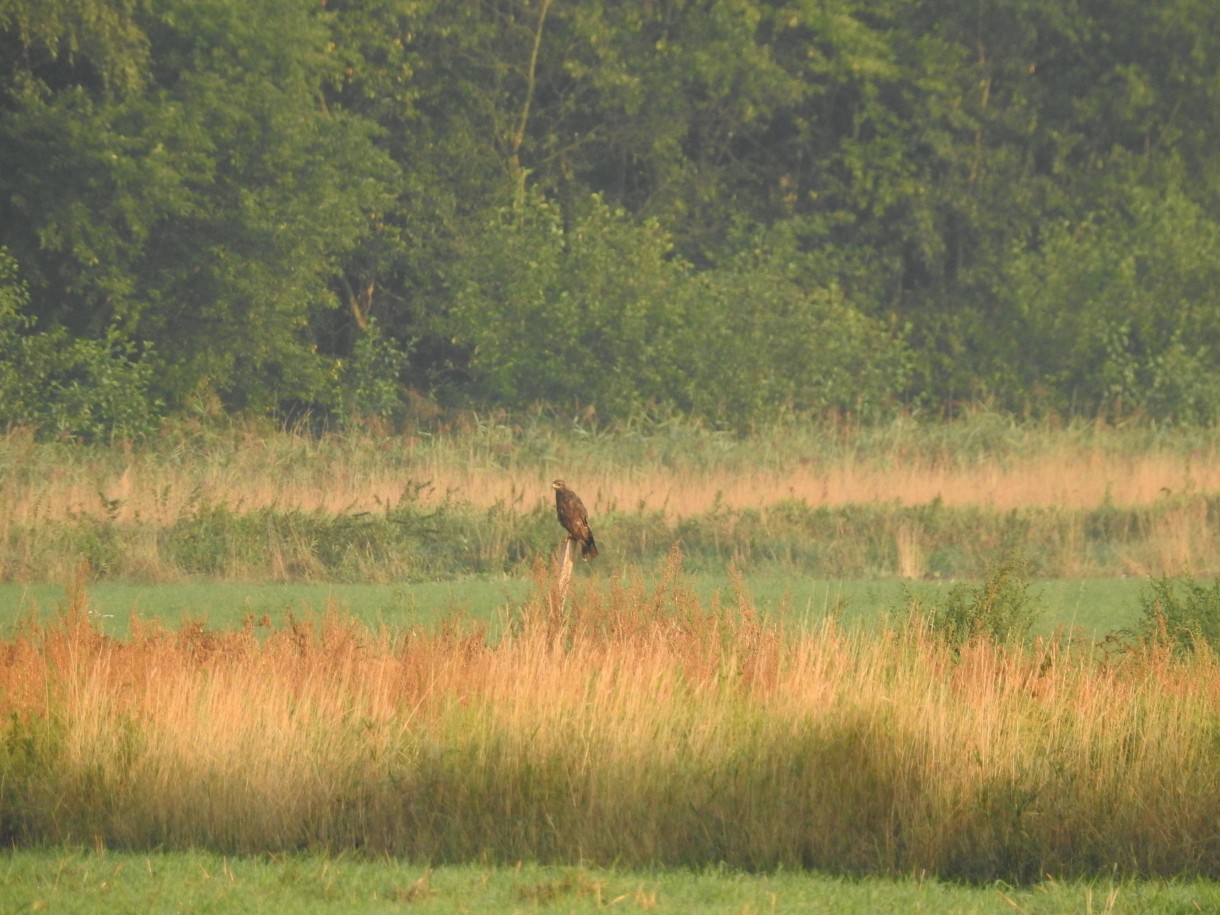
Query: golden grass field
(637,727)
(246,472)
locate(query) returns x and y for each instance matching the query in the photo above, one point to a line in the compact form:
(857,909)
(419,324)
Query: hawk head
(559,484)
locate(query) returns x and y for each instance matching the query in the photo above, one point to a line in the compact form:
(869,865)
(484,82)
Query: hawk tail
(588,548)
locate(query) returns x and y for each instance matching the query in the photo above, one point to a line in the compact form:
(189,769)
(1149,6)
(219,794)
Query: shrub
(368,386)
(1181,610)
(581,314)
(67,387)
(1119,311)
(1001,609)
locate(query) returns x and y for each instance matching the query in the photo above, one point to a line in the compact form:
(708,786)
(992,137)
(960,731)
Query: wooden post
(565,574)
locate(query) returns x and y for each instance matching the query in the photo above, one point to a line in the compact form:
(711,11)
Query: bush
(368,386)
(1119,312)
(760,347)
(69,387)
(1001,609)
(1181,610)
(580,315)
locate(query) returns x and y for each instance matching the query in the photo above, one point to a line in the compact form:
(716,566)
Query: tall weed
(1001,609)
(1181,611)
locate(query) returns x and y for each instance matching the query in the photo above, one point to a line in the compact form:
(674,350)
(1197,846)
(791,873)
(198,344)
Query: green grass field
(70,881)
(1095,606)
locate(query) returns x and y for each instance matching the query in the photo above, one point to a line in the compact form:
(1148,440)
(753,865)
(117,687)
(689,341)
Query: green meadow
(111,883)
(1095,607)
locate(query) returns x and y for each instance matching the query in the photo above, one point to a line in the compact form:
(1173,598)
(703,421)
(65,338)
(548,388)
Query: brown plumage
(574,518)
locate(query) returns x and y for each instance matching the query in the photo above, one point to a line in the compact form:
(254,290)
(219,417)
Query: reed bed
(640,727)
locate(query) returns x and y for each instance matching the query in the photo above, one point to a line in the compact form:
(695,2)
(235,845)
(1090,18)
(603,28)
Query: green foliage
(761,347)
(1181,610)
(72,388)
(91,390)
(736,211)
(206,213)
(13,320)
(595,312)
(1124,311)
(577,318)
(1001,609)
(59,38)
(369,382)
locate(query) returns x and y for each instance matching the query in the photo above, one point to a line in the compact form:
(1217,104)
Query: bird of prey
(574,518)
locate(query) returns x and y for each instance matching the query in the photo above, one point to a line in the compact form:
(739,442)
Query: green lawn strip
(225,605)
(1095,606)
(68,881)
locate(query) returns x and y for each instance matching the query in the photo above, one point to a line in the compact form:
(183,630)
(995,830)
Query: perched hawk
(574,518)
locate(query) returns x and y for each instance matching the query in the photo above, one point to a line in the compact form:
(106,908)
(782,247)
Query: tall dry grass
(906,499)
(641,727)
(679,471)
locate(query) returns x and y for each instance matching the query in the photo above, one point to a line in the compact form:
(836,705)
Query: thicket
(738,212)
(63,386)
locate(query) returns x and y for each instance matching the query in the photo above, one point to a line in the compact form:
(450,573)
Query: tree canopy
(733,210)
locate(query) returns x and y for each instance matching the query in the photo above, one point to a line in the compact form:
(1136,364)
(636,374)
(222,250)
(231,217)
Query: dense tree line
(731,209)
